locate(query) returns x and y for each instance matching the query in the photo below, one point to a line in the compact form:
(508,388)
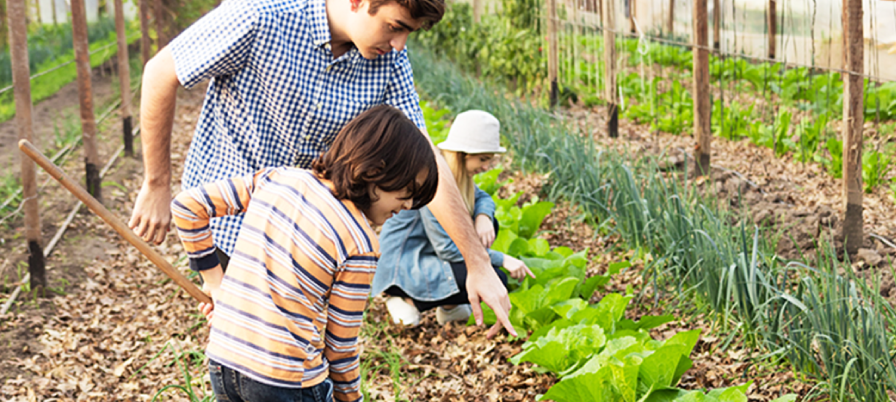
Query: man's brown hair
(430,11)
(382,147)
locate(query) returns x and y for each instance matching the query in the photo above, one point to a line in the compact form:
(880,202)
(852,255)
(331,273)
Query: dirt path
(51,115)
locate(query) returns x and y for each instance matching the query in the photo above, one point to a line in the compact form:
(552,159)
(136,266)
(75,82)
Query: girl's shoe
(402,312)
(459,313)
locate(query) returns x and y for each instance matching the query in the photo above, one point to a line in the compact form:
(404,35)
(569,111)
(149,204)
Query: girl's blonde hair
(457,162)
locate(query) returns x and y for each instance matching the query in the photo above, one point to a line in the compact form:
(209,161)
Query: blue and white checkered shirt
(277,97)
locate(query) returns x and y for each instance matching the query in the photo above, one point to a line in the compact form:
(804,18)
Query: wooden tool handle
(116,224)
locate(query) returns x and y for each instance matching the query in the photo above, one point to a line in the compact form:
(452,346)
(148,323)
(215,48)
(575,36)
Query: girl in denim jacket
(420,267)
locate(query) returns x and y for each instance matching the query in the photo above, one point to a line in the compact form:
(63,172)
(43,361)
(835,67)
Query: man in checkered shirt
(286,75)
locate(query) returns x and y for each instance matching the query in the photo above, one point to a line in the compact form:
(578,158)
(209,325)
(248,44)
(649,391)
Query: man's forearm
(157,102)
(449,210)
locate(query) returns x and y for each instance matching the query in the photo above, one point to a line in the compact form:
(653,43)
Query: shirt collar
(320,28)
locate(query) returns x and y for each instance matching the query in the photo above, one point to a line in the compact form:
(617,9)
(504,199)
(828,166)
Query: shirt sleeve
(483,204)
(192,209)
(348,299)
(217,44)
(401,93)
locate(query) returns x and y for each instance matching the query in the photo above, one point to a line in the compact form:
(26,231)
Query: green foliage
(488,181)
(875,165)
(834,164)
(436,122)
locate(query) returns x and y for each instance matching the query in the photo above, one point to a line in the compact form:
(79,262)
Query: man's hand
(152,213)
(485,229)
(484,285)
(518,269)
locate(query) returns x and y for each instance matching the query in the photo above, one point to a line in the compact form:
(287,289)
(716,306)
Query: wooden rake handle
(116,224)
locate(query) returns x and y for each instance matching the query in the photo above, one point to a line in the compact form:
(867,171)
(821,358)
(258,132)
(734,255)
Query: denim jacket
(416,253)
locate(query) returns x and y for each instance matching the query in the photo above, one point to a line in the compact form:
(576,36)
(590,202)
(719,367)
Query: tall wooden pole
(670,23)
(701,89)
(37,11)
(716,24)
(53,8)
(632,28)
(478,6)
(853,120)
(18,35)
(609,17)
(161,37)
(124,79)
(145,42)
(772,27)
(553,52)
(85,92)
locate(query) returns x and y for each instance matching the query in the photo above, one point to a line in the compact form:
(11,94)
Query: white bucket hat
(474,132)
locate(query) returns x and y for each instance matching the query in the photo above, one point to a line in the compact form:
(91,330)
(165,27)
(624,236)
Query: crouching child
(288,311)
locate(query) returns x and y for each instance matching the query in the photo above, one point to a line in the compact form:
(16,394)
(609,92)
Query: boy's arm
(192,211)
(348,298)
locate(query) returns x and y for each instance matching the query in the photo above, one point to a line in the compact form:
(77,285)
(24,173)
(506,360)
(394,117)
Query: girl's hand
(518,269)
(485,230)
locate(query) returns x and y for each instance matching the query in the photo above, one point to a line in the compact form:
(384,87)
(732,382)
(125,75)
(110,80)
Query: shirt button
(320,105)
(307,137)
(310,349)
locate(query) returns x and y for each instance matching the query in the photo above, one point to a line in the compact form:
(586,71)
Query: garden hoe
(116,224)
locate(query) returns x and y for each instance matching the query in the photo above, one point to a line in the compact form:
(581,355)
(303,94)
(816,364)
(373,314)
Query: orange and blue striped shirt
(294,292)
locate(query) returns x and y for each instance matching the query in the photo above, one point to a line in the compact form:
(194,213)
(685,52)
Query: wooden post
(4,26)
(853,120)
(85,92)
(772,27)
(124,79)
(145,42)
(553,50)
(701,93)
(37,11)
(670,24)
(53,8)
(18,35)
(161,38)
(716,24)
(609,17)
(632,29)
(478,6)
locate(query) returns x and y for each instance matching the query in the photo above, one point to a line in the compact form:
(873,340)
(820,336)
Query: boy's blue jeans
(231,386)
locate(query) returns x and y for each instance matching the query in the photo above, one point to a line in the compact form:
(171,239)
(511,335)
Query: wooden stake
(670,24)
(53,7)
(553,50)
(632,28)
(772,27)
(37,10)
(478,6)
(85,92)
(609,17)
(113,221)
(124,79)
(701,89)
(161,37)
(853,121)
(21,78)
(716,24)
(145,41)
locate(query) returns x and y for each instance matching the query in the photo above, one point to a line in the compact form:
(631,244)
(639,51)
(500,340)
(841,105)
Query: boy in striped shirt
(288,312)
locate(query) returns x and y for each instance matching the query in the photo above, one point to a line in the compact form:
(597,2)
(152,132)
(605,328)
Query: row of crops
(792,110)
(829,327)
(50,52)
(597,353)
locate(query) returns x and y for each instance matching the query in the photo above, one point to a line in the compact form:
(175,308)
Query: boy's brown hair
(430,11)
(382,147)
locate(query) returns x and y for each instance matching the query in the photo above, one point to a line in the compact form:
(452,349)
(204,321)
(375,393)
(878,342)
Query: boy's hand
(518,269)
(207,309)
(485,230)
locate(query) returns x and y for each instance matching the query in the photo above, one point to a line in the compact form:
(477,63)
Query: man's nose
(399,41)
